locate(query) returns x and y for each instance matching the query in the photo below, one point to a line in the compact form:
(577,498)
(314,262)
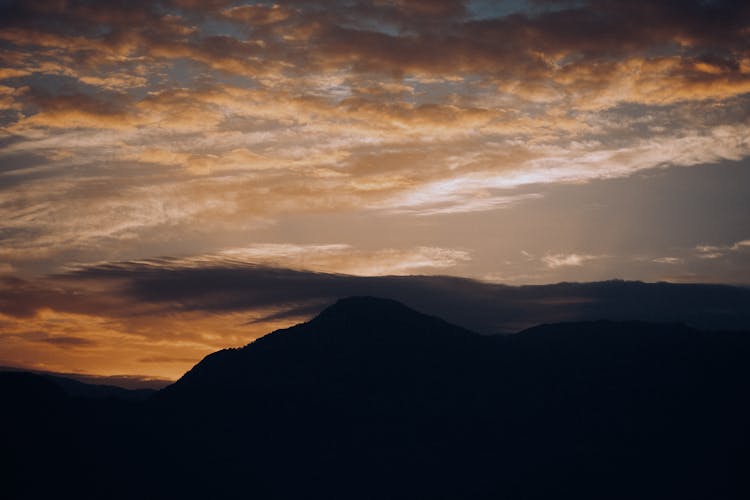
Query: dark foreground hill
(373,400)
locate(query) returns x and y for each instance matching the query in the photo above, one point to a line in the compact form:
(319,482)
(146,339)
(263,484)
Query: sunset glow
(150,147)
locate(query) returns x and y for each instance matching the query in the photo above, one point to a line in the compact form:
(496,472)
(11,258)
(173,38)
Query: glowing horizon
(515,142)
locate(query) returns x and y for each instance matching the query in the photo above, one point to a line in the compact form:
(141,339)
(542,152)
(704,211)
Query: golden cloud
(259,14)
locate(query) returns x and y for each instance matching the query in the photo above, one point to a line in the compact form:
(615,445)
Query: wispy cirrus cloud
(554,261)
(338,258)
(668,260)
(718,251)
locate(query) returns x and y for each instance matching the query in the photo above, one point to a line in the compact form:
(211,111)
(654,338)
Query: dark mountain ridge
(79,389)
(371,399)
(117,382)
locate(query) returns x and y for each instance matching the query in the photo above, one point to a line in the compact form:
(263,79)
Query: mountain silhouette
(78,388)
(343,340)
(371,399)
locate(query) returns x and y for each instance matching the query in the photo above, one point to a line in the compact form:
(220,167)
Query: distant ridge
(128,382)
(77,388)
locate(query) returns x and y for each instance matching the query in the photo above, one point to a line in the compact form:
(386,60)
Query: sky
(500,142)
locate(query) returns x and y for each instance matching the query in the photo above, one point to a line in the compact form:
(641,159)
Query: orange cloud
(259,14)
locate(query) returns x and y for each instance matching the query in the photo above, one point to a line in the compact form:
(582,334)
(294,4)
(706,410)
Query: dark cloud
(161,316)
(61,341)
(107,105)
(521,44)
(358,34)
(488,308)
(81,16)
(309,310)
(23,298)
(259,14)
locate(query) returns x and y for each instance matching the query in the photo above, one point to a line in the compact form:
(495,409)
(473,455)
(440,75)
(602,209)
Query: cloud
(226,285)
(668,260)
(430,39)
(183,127)
(12,73)
(121,317)
(326,158)
(718,251)
(67,341)
(259,14)
(342,258)
(563,260)
(451,197)
(116,82)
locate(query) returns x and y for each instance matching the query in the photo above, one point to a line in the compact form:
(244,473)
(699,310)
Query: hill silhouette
(88,386)
(371,399)
(341,341)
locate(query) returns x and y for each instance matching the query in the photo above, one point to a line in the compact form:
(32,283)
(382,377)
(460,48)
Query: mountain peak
(365,308)
(364,317)
(365,329)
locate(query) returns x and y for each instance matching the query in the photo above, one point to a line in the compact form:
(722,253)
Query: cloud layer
(159,317)
(162,117)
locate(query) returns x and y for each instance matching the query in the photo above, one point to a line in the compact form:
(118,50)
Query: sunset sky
(170,170)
